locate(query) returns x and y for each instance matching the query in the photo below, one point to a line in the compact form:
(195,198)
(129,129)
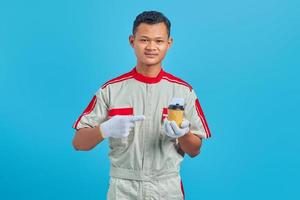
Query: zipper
(145,126)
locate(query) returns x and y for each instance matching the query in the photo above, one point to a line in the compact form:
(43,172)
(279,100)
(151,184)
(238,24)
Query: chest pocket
(120,111)
(119,145)
(164,115)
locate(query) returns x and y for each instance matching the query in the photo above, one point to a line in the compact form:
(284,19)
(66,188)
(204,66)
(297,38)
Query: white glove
(119,126)
(171,129)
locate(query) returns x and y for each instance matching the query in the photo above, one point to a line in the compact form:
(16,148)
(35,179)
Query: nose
(151,45)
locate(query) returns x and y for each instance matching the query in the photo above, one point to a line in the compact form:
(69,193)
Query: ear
(170,42)
(131,40)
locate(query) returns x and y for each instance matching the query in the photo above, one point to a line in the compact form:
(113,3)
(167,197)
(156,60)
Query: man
(146,149)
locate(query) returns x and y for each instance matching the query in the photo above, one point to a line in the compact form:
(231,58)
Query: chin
(150,63)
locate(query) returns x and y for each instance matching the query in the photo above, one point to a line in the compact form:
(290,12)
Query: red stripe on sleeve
(182,189)
(87,110)
(202,117)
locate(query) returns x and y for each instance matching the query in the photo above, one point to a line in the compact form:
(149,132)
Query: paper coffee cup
(176,110)
(175,115)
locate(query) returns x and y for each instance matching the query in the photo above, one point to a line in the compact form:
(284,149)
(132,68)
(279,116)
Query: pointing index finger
(137,118)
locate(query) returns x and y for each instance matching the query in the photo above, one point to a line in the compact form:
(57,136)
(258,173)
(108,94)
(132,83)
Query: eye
(143,40)
(159,41)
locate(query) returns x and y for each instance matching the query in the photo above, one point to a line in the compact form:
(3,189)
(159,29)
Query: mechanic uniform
(146,164)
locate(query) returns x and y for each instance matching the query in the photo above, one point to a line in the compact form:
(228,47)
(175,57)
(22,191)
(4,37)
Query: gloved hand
(119,126)
(171,129)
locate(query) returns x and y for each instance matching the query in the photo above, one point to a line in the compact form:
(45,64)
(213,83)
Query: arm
(116,127)
(190,144)
(86,139)
(198,129)
(88,134)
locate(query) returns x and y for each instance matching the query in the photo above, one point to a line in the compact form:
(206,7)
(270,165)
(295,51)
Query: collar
(146,79)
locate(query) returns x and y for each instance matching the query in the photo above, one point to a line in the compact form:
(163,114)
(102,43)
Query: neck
(148,71)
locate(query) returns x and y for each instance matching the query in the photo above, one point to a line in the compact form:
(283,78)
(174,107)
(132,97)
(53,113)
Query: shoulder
(118,79)
(176,80)
(104,90)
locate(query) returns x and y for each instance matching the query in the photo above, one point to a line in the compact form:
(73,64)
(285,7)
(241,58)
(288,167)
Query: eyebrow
(159,37)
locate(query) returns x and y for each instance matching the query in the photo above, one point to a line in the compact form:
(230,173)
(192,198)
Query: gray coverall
(146,164)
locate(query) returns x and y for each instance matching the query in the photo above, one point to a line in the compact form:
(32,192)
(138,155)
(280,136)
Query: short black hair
(151,17)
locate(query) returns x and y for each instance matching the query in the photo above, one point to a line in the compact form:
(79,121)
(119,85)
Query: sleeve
(95,113)
(194,113)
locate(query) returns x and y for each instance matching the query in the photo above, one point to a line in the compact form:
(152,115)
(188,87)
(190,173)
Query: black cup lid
(176,107)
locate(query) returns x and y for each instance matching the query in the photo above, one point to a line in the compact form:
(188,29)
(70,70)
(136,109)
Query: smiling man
(131,111)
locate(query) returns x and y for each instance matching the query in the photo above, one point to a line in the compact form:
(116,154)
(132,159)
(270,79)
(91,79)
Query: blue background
(241,57)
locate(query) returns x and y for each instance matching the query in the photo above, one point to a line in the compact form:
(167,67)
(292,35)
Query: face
(150,43)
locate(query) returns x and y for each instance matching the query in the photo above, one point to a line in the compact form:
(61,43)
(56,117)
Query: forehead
(152,30)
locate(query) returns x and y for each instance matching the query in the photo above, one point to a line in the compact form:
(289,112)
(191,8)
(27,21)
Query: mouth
(150,55)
